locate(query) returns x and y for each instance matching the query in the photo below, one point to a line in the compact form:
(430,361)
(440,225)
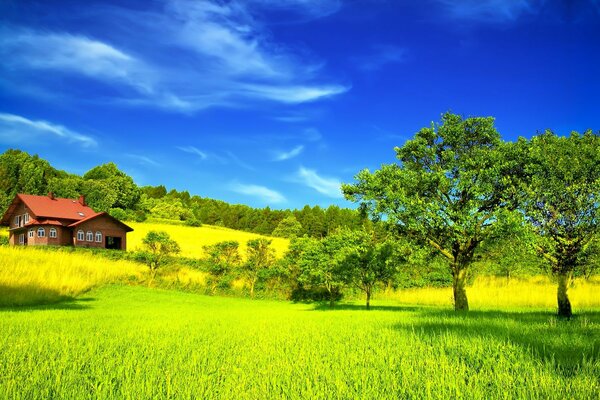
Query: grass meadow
(75,325)
(121,342)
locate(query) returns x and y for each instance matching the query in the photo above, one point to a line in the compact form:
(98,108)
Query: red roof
(102,214)
(45,207)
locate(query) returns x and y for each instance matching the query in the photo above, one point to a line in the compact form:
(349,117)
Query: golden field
(490,292)
(33,276)
(193,239)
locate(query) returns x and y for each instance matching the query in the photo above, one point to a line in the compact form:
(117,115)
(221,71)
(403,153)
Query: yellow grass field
(193,239)
(33,276)
(494,293)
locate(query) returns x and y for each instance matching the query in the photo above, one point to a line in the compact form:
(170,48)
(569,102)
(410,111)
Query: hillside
(192,239)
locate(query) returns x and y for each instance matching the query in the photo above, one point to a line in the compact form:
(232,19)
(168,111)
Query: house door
(113,242)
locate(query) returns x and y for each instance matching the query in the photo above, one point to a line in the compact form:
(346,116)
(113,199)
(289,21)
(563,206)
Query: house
(48,220)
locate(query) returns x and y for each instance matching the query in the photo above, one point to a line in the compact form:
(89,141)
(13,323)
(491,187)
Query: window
(31,233)
(41,232)
(89,236)
(52,232)
(98,237)
(80,235)
(26,218)
(18,220)
(22,238)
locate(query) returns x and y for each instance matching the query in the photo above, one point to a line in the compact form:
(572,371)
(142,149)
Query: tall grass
(193,239)
(488,292)
(139,343)
(34,276)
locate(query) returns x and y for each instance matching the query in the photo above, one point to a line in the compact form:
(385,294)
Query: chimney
(82,200)
(51,195)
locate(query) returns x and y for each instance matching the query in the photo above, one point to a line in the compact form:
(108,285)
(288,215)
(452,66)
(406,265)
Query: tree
(288,227)
(159,246)
(366,260)
(260,256)
(562,202)
(122,188)
(448,190)
(318,265)
(222,257)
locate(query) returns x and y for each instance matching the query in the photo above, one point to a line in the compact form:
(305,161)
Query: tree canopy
(449,188)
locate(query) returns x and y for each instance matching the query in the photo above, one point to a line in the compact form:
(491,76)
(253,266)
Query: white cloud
(490,10)
(225,57)
(267,195)
(330,187)
(194,150)
(286,155)
(15,128)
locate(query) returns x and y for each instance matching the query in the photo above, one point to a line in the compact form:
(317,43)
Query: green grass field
(106,335)
(121,342)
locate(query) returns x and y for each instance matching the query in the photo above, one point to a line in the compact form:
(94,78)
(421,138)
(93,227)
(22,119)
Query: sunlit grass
(193,239)
(33,276)
(139,343)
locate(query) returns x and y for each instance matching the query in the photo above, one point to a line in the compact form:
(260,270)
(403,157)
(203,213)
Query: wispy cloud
(226,56)
(144,160)
(239,162)
(380,56)
(286,155)
(490,10)
(330,187)
(194,150)
(15,128)
(265,194)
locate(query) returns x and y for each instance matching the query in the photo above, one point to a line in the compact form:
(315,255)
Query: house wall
(63,236)
(21,210)
(101,224)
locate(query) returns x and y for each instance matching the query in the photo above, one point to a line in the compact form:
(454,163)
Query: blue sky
(266,102)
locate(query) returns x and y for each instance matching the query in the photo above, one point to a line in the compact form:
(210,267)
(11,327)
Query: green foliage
(259,258)
(288,227)
(561,201)
(158,247)
(119,188)
(23,173)
(223,258)
(452,181)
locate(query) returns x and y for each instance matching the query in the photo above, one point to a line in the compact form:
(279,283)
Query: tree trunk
(252,283)
(459,278)
(368,291)
(564,305)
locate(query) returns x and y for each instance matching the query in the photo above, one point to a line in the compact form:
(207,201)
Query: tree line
(111,190)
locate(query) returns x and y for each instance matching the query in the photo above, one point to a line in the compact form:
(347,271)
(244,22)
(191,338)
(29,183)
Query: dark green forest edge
(458,202)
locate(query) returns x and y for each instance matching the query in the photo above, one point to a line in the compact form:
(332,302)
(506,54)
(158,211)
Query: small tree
(365,260)
(222,258)
(562,202)
(288,227)
(320,266)
(158,247)
(260,256)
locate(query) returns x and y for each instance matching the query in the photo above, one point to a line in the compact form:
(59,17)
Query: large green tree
(448,190)
(260,256)
(562,203)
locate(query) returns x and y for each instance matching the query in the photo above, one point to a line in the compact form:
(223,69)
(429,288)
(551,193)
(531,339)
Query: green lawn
(123,342)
